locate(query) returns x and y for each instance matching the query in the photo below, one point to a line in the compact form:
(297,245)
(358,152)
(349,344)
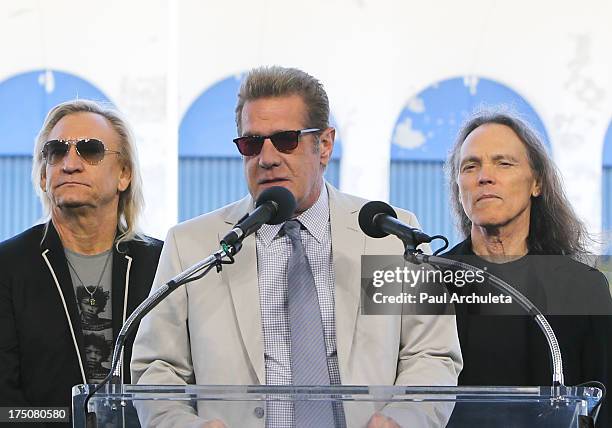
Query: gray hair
(554,226)
(131,200)
(276,81)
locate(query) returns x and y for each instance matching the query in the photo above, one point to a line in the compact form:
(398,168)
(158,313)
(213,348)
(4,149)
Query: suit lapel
(57,259)
(346,239)
(118,290)
(241,278)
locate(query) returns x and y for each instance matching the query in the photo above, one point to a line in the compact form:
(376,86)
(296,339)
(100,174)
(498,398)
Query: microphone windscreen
(367,214)
(283,198)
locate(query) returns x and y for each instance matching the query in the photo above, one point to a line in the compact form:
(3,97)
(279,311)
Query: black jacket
(41,341)
(511,350)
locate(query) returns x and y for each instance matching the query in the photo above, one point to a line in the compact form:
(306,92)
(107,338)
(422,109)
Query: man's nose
(72,161)
(269,156)
(486,175)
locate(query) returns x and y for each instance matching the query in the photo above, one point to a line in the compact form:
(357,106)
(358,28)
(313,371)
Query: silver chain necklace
(92,300)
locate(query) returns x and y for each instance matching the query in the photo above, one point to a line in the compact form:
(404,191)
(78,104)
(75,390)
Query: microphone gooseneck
(378,219)
(524,302)
(275,205)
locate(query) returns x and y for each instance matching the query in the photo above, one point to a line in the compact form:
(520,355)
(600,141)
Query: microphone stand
(416,256)
(189,275)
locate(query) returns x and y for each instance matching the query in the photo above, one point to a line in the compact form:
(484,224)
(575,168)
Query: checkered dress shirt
(273,251)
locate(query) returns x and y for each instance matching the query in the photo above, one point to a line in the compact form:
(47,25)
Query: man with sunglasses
(238,327)
(85,269)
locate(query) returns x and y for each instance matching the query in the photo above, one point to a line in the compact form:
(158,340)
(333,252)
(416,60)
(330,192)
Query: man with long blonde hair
(87,252)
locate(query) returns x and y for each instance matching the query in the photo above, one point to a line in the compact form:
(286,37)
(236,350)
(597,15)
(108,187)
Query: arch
(210,168)
(425,131)
(25,100)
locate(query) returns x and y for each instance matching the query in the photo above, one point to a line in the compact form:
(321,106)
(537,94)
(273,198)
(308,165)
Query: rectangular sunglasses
(90,150)
(283,141)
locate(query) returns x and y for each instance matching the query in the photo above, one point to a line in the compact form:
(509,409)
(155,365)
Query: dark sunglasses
(90,150)
(284,141)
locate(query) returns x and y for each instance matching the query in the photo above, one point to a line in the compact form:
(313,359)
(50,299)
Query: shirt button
(259,412)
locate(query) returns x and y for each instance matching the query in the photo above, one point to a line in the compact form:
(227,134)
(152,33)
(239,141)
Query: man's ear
(125,178)
(326,145)
(43,180)
(536,189)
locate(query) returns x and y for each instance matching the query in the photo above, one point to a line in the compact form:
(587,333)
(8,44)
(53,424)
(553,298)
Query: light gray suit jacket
(209,332)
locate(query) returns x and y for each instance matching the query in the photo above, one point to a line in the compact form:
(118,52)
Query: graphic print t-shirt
(93,297)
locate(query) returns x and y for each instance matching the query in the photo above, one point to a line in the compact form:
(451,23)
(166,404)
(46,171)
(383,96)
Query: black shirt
(42,344)
(511,350)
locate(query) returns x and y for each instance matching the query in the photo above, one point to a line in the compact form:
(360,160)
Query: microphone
(378,219)
(275,205)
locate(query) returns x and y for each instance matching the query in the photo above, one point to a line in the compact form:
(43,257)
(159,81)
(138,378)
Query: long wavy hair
(131,200)
(554,227)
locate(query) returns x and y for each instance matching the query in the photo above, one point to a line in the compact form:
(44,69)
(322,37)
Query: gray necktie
(308,352)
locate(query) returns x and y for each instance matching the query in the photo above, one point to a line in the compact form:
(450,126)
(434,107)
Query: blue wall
(19,204)
(210,169)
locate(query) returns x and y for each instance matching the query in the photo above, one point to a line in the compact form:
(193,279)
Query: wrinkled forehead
(264,116)
(492,141)
(75,126)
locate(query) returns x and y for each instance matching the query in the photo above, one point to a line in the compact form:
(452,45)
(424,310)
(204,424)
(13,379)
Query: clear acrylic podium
(246,406)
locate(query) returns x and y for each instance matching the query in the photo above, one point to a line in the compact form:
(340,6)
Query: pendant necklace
(91,300)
